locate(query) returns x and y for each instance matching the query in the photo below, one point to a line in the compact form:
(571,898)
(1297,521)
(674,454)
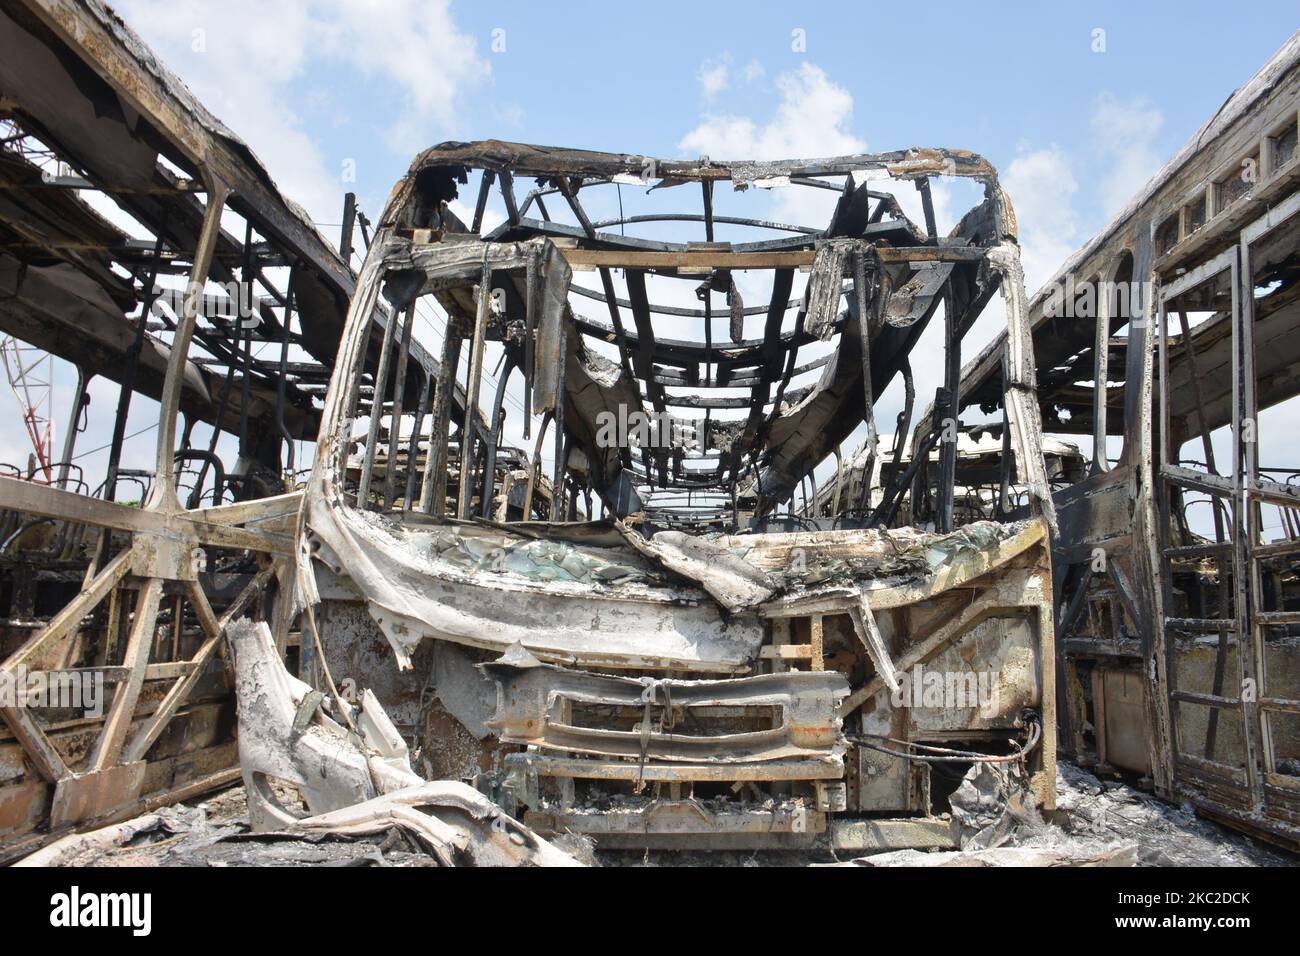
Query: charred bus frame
(1177,618)
(726,686)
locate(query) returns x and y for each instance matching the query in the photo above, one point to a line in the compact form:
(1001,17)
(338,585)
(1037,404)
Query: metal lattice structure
(670,635)
(230,331)
(660,584)
(1167,340)
(30,373)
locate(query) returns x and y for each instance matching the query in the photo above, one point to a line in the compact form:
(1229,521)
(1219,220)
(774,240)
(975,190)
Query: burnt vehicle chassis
(92,586)
(1175,334)
(213,296)
(731,684)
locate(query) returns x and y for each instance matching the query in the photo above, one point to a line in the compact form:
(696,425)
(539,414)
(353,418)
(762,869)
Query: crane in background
(30,372)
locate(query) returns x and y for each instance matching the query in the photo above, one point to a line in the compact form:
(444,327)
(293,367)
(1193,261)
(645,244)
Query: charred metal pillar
(80,398)
(163,491)
(395,417)
(433,491)
(473,381)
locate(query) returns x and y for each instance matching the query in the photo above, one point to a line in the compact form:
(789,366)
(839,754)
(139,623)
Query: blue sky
(319,83)
(322,89)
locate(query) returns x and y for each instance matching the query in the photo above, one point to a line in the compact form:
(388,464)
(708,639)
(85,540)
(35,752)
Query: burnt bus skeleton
(1171,340)
(728,684)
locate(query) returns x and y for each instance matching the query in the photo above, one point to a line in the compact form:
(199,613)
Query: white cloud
(414,43)
(241,59)
(250,55)
(491,217)
(713,75)
(812,119)
(716,75)
(1042,186)
(1125,134)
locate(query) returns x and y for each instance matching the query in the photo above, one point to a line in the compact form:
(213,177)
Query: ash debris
(1096,823)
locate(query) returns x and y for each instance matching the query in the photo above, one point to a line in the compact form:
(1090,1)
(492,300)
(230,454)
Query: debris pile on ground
(353,770)
(1097,823)
(1123,855)
(216,832)
(1088,808)
(992,805)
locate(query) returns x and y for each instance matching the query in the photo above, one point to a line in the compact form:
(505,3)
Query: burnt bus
(630,633)
(1169,344)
